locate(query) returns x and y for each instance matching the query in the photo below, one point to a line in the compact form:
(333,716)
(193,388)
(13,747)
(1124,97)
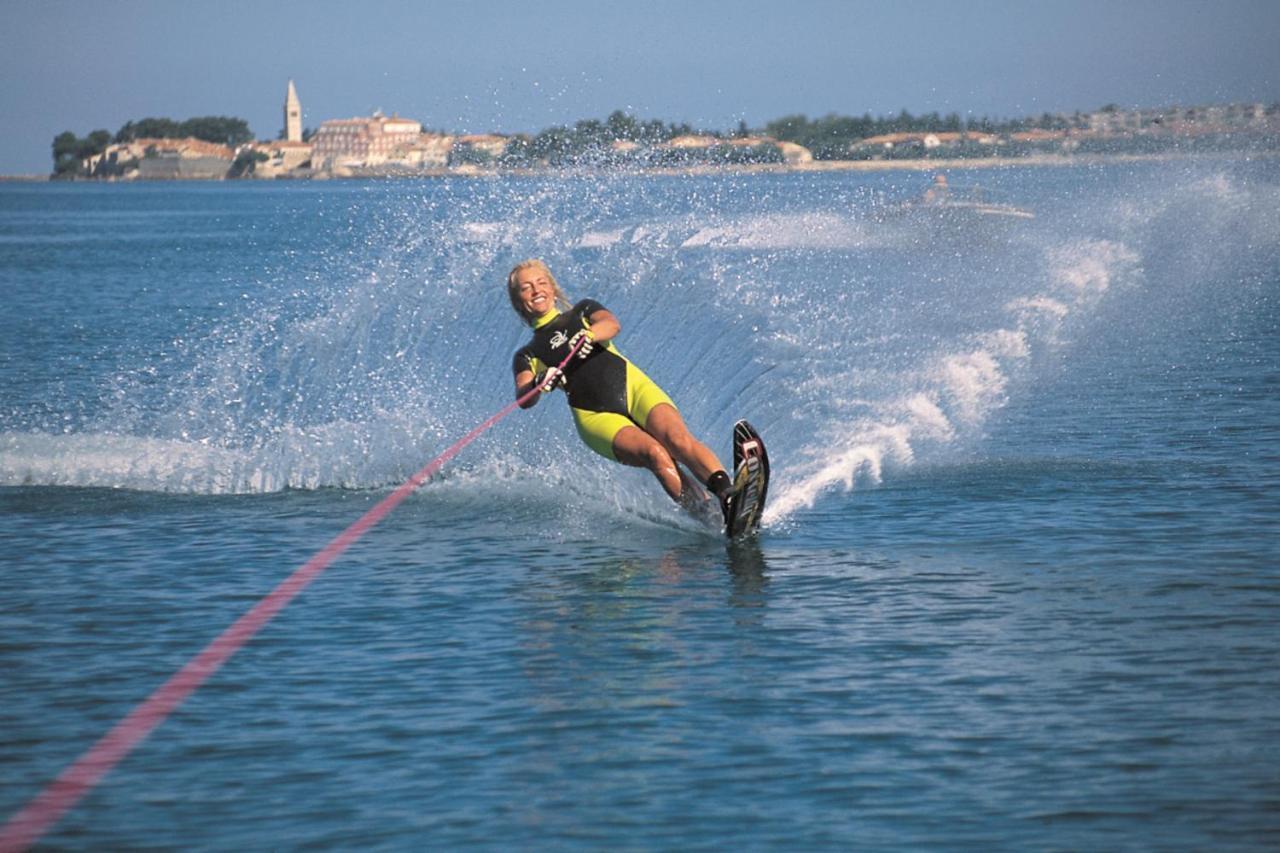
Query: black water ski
(750,482)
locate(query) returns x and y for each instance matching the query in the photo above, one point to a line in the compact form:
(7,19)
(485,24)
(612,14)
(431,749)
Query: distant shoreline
(925,165)
(905,165)
(939,164)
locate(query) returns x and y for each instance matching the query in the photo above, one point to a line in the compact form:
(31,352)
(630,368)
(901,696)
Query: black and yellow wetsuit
(606,391)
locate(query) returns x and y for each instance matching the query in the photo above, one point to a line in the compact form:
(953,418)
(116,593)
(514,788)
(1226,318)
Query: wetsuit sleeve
(522,360)
(586,308)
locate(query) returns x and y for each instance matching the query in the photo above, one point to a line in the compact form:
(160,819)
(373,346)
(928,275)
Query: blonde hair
(513,288)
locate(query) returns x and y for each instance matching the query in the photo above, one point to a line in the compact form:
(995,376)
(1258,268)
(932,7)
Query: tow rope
(60,796)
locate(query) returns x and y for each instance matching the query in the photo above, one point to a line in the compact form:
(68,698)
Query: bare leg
(666,425)
(633,446)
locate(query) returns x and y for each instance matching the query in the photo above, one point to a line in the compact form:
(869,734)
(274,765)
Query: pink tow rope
(28,825)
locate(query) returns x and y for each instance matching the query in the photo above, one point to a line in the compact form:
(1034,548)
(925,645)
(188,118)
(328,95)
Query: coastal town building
(189,159)
(691,141)
(161,159)
(277,158)
(897,142)
(794,154)
(292,115)
(428,151)
(1190,121)
(762,147)
(341,144)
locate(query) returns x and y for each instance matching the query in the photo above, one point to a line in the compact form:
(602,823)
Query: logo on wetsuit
(559,339)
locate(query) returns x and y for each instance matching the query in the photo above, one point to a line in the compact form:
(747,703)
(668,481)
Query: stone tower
(292,115)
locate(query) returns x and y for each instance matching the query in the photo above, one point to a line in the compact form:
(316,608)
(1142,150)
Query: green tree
(590,134)
(552,146)
(148,128)
(69,151)
(517,153)
(95,143)
(65,146)
(222,130)
(653,131)
(788,128)
(623,126)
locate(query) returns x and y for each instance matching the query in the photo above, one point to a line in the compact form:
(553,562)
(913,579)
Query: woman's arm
(603,325)
(525,380)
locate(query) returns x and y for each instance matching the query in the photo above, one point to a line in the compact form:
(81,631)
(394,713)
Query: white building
(354,142)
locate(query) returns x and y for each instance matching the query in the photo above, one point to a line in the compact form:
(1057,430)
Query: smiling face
(537,294)
(534,290)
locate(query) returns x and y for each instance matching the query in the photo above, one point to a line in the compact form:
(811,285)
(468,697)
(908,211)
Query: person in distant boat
(938,192)
(620,413)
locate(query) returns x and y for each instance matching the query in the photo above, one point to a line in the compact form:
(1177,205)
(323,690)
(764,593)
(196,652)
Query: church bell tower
(292,115)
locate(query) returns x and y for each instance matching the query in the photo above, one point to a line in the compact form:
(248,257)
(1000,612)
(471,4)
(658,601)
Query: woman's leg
(665,424)
(633,446)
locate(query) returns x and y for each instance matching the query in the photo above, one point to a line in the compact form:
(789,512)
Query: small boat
(977,208)
(971,200)
(954,208)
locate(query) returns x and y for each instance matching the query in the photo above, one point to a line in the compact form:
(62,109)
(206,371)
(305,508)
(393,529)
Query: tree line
(70,150)
(590,142)
(830,137)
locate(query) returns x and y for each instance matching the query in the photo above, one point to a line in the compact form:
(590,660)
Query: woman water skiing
(620,413)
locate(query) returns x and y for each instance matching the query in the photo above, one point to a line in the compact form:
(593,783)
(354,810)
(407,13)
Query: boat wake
(854,342)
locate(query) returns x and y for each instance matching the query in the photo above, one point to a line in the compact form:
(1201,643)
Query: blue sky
(506,66)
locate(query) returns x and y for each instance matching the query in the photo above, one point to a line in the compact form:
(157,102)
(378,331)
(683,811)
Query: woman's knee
(660,458)
(655,457)
(633,446)
(670,431)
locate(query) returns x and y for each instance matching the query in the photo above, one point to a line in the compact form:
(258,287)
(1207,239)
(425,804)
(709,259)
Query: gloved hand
(548,381)
(588,342)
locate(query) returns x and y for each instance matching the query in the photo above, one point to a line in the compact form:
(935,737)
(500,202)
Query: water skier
(938,192)
(620,413)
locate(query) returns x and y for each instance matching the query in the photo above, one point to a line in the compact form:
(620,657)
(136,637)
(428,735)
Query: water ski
(750,482)
(741,516)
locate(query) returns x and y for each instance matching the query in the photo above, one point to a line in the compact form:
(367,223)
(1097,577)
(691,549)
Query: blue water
(1019,583)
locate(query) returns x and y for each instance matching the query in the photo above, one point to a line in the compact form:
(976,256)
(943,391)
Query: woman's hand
(584,342)
(548,381)
(527,383)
